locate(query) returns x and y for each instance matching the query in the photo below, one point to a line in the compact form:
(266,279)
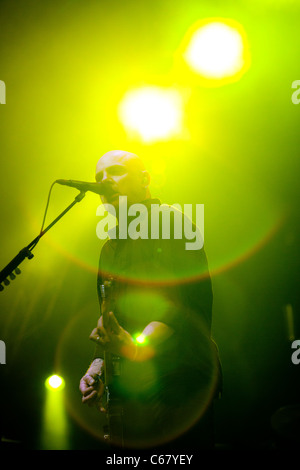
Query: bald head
(131,160)
(123,174)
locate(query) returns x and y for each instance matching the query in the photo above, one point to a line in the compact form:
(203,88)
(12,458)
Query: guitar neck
(112,370)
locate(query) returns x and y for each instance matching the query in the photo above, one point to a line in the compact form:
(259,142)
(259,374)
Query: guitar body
(113,430)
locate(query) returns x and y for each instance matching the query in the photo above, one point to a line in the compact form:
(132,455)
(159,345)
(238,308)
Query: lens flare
(140,338)
(216,50)
(153,113)
(55,382)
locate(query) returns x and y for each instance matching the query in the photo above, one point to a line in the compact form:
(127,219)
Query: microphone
(84,186)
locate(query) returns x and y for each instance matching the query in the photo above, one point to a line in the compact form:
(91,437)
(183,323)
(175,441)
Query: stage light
(140,339)
(55,382)
(153,113)
(54,433)
(216,49)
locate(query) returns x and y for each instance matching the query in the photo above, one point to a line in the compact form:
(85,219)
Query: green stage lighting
(54,431)
(153,113)
(55,382)
(140,338)
(216,49)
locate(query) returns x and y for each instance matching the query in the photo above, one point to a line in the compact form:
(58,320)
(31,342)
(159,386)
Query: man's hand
(116,340)
(113,338)
(91,386)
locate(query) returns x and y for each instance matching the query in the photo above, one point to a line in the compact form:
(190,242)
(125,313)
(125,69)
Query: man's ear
(146,179)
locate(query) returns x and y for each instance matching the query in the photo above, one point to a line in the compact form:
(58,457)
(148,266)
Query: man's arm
(117,340)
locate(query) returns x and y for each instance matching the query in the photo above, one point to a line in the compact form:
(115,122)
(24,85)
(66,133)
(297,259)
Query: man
(161,292)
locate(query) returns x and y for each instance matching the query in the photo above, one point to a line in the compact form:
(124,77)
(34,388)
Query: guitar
(113,430)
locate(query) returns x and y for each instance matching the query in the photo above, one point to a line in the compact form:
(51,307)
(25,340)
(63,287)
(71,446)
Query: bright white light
(141,338)
(216,50)
(152,112)
(54,382)
(54,433)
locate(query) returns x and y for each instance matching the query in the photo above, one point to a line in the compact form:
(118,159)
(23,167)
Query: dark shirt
(160,280)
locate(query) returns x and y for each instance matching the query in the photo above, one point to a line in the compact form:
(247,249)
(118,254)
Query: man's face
(120,175)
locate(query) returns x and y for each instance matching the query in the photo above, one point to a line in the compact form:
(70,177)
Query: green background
(66,66)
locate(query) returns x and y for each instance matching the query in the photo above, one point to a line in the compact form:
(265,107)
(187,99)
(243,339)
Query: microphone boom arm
(26,252)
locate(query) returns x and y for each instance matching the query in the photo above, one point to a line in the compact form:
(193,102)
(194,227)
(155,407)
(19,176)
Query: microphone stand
(26,252)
